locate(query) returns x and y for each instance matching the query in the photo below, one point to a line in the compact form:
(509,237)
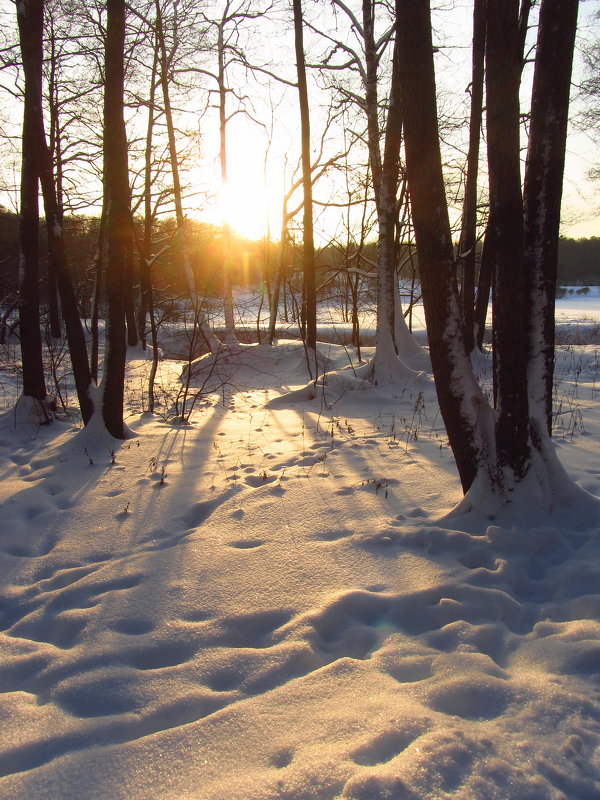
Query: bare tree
(164,62)
(496,451)
(118,223)
(309,300)
(30,15)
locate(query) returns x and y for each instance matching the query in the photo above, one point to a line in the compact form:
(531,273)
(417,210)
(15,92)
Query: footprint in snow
(282,758)
(247,544)
(386,746)
(200,512)
(133,626)
(64,577)
(333,535)
(255,481)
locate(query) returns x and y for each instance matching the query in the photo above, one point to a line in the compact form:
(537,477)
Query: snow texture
(275,599)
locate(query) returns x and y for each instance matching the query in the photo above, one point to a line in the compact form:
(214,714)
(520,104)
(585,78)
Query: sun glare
(250,202)
(244,205)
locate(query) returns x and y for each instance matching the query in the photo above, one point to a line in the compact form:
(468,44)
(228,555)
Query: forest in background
(252,261)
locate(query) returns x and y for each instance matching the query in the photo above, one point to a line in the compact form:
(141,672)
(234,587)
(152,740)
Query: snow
(277,598)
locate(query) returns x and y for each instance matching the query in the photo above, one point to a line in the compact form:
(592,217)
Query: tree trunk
(468,418)
(503,74)
(32,67)
(118,226)
(230,336)
(468,234)
(99,270)
(56,161)
(495,451)
(309,301)
(387,216)
(484,286)
(210,339)
(488,257)
(30,20)
(543,191)
(371,100)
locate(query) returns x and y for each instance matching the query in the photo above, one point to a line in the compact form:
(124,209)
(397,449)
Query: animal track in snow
(100,696)
(463,698)
(409,669)
(247,544)
(132,626)
(282,758)
(64,577)
(32,547)
(159,655)
(197,514)
(333,535)
(254,630)
(386,746)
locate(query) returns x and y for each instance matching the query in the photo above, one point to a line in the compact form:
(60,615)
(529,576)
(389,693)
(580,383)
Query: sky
(252,201)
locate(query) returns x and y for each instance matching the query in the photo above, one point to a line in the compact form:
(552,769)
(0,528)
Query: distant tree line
(579,261)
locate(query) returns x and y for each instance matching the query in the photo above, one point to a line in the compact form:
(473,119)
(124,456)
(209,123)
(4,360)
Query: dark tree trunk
(309,301)
(68,301)
(488,258)
(146,289)
(468,234)
(462,406)
(543,188)
(30,18)
(99,271)
(491,447)
(484,286)
(32,67)
(118,225)
(130,316)
(56,161)
(230,335)
(145,250)
(503,73)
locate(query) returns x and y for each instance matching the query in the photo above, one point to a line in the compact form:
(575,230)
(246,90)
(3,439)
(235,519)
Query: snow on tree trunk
(543,192)
(468,418)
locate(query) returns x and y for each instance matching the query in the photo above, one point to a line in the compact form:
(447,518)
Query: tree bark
(30,19)
(230,336)
(309,302)
(503,75)
(371,99)
(118,227)
(543,190)
(387,216)
(468,234)
(468,418)
(210,340)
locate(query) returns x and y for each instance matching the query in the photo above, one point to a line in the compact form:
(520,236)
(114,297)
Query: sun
(250,201)
(245,205)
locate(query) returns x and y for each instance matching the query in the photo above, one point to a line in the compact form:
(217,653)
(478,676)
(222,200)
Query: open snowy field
(274,600)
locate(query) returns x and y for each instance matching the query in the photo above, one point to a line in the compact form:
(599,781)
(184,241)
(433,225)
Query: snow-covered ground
(271,601)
